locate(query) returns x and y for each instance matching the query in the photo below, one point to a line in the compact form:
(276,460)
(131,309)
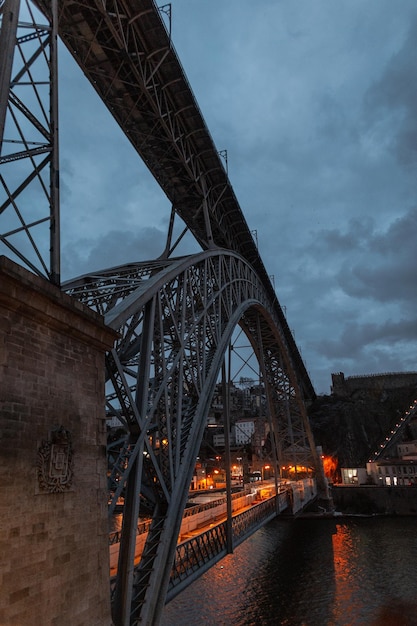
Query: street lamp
(265,472)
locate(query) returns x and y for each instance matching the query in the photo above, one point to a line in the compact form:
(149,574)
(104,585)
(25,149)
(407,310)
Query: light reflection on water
(309,572)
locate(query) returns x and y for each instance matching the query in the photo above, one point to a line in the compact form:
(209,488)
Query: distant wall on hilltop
(346,386)
(352,422)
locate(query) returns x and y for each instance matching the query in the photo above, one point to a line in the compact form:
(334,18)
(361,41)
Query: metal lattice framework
(29,191)
(199,553)
(176,319)
(125,50)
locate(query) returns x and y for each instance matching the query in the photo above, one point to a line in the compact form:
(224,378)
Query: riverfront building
(398,471)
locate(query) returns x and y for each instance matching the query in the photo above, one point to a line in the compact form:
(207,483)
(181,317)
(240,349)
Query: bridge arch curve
(176,318)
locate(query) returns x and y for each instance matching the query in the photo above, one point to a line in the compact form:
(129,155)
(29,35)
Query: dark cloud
(316,105)
(400,237)
(356,339)
(383,284)
(112,249)
(388,270)
(391,102)
(355,238)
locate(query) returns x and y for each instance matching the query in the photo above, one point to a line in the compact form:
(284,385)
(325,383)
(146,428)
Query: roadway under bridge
(175,316)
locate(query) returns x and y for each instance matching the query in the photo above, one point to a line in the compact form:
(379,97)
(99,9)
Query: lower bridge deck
(208,534)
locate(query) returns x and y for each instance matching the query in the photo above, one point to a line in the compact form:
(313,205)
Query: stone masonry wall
(344,386)
(375,500)
(54,554)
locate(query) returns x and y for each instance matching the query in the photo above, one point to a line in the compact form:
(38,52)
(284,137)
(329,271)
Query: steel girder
(127,54)
(176,318)
(125,51)
(197,555)
(29,186)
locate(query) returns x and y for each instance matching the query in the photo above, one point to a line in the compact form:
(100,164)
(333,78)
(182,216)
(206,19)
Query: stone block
(55,561)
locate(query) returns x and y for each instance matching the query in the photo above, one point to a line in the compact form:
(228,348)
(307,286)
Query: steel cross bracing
(126,52)
(176,318)
(197,555)
(29,189)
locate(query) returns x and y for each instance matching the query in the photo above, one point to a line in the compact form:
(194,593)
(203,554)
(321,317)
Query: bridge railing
(143,526)
(196,555)
(199,553)
(300,494)
(300,490)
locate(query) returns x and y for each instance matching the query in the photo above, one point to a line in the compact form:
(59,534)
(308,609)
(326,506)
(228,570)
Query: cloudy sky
(315,102)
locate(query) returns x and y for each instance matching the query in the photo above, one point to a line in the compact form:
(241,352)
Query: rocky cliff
(350,425)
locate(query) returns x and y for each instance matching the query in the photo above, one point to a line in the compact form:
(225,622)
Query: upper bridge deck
(126,52)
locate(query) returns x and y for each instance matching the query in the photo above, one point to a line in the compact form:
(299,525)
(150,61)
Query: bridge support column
(53,506)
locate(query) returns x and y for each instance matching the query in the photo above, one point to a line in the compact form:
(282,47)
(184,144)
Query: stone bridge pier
(54,566)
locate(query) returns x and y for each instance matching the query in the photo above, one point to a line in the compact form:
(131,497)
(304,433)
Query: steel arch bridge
(176,318)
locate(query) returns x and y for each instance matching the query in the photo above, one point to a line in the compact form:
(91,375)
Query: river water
(342,571)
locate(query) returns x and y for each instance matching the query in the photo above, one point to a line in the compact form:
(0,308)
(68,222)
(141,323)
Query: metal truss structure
(29,140)
(198,554)
(176,318)
(126,52)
